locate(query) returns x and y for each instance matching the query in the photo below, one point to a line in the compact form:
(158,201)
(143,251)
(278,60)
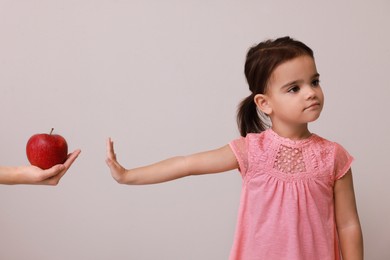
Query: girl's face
(293,96)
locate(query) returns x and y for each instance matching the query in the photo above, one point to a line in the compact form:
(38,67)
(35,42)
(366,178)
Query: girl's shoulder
(323,143)
(252,140)
(269,140)
(332,154)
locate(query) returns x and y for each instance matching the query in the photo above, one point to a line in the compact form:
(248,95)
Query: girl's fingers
(109,162)
(113,165)
(110,149)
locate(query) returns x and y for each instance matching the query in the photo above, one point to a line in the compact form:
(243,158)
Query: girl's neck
(293,133)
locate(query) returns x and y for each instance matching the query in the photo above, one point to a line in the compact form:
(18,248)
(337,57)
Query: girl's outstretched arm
(347,219)
(34,175)
(214,161)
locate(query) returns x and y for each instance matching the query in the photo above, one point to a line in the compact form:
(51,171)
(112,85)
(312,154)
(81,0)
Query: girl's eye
(315,83)
(293,89)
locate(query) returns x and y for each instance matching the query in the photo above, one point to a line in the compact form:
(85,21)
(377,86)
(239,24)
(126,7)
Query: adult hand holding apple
(49,157)
(34,175)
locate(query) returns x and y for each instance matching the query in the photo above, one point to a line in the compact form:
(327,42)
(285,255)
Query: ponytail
(249,120)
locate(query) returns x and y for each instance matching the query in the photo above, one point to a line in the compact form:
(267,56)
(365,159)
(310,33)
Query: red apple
(46,150)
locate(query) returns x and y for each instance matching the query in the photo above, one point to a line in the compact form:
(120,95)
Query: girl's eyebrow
(316,75)
(291,83)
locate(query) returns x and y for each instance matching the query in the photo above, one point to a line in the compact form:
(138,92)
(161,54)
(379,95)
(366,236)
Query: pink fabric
(286,209)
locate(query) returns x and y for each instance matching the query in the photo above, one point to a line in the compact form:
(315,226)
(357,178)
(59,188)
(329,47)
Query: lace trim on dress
(289,160)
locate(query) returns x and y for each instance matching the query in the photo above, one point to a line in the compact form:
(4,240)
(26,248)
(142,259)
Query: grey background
(164,78)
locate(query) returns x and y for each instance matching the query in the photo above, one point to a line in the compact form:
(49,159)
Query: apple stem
(51,131)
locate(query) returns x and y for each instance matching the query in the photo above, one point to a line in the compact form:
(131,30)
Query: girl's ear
(263,104)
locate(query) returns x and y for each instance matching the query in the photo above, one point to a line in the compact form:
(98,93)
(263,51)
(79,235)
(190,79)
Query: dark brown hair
(261,61)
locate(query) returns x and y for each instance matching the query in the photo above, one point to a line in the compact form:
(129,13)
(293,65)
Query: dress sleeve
(240,150)
(342,161)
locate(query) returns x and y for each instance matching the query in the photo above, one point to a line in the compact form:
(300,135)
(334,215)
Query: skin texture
(293,99)
(35,175)
(347,219)
(214,161)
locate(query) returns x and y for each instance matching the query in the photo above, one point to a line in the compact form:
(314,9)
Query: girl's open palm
(117,171)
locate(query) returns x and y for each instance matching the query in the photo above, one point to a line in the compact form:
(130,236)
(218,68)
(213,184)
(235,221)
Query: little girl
(297,199)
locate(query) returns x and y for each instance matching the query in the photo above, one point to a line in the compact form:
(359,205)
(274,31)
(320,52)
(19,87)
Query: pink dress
(287,209)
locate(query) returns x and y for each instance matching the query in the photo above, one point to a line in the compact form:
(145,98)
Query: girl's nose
(310,93)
